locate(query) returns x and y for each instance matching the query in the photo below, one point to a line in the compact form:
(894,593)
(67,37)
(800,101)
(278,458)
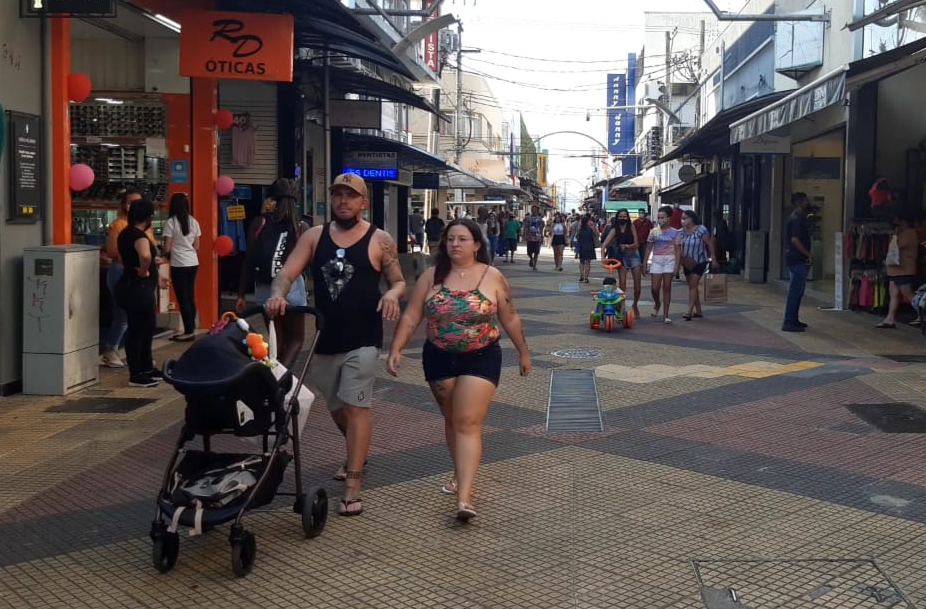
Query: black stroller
(228,392)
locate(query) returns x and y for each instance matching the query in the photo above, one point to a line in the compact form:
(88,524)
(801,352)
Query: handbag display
(893,253)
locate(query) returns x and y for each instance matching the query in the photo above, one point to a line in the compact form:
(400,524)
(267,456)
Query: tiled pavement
(729,467)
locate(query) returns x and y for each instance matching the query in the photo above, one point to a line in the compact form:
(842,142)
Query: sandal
(696,315)
(666,320)
(687,316)
(655,312)
(886,325)
(465,512)
(346,507)
(450,488)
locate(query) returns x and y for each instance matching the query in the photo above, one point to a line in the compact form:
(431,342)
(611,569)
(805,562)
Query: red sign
(244,46)
(431,54)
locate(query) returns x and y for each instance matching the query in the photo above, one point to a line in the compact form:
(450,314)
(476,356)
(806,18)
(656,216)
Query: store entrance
(817,170)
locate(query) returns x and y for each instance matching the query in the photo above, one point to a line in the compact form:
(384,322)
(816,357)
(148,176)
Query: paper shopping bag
(304,397)
(715,288)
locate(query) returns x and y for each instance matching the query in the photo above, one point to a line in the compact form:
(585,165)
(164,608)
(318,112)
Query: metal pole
(328,160)
(458,124)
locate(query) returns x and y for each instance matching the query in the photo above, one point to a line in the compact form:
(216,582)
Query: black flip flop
(883,326)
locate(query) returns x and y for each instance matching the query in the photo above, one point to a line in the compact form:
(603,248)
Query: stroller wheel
(314,512)
(243,551)
(165,551)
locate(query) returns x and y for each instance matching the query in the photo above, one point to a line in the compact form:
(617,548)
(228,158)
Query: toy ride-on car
(610,303)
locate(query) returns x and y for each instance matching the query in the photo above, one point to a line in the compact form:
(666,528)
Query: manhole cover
(895,417)
(576,353)
(767,584)
(569,286)
(101,405)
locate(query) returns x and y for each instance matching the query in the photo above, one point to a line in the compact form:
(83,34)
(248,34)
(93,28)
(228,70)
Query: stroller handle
(259,309)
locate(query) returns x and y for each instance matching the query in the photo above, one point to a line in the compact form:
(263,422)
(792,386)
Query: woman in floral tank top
(464,299)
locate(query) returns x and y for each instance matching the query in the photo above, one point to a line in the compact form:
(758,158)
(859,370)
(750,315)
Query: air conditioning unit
(652,144)
(654,90)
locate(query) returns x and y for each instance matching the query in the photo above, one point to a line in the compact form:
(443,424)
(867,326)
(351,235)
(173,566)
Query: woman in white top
(181,242)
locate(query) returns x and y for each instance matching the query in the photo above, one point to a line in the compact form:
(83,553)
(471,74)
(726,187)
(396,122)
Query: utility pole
(697,122)
(458,123)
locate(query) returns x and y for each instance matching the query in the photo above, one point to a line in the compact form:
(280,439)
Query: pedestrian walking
(118,323)
(136,293)
(799,260)
(720,231)
(626,249)
(512,235)
(416,228)
(901,275)
(181,244)
(587,240)
(697,256)
(662,256)
(492,231)
(433,229)
(462,298)
(271,240)
(559,230)
(534,232)
(348,258)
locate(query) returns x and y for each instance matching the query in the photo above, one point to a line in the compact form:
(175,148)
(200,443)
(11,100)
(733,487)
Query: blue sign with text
(179,172)
(373,174)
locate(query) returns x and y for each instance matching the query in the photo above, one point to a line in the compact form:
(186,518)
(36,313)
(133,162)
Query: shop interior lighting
(109,100)
(165,21)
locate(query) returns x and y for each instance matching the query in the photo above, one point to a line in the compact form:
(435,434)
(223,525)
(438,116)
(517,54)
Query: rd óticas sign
(244,46)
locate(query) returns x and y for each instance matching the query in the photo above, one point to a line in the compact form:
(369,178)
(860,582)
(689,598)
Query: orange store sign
(246,46)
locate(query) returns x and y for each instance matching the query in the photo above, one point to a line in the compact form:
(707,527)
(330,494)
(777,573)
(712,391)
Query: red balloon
(224,186)
(80,177)
(224,119)
(223,245)
(79,87)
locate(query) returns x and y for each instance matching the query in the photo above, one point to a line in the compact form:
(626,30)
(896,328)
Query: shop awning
(327,25)
(714,134)
(679,191)
(409,157)
(612,207)
(828,90)
(457,177)
(361,84)
(645,182)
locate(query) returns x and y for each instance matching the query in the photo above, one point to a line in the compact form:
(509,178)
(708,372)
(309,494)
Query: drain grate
(569,286)
(101,405)
(907,358)
(576,353)
(782,584)
(894,417)
(573,404)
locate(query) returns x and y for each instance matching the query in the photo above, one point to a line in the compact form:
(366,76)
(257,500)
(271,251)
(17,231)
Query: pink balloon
(80,177)
(224,186)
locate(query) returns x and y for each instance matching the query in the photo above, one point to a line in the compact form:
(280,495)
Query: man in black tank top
(348,257)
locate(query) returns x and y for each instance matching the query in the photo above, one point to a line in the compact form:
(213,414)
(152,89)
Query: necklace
(460,273)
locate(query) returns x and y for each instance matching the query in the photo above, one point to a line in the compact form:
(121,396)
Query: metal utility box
(61,304)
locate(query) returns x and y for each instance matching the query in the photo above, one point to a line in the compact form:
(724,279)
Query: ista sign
(244,46)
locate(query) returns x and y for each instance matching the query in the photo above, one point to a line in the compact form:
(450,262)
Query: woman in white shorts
(662,255)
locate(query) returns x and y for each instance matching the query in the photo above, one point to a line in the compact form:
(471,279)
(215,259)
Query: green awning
(611,207)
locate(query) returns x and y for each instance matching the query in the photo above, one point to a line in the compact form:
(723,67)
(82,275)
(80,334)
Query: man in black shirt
(799,260)
(433,228)
(348,257)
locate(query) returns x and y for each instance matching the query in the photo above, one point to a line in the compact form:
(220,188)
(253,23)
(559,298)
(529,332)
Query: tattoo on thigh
(441,391)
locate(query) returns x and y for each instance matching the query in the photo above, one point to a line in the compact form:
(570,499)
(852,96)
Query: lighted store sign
(243,46)
(372,165)
(97,8)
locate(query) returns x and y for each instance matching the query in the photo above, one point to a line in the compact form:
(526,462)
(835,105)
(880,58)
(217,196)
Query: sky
(550,59)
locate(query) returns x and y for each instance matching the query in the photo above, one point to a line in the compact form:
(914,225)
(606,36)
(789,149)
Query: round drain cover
(576,353)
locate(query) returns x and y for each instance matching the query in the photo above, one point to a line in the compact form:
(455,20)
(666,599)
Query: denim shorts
(296,296)
(440,364)
(631,260)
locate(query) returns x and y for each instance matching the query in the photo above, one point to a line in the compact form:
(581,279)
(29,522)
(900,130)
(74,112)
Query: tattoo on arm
(390,260)
(280,286)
